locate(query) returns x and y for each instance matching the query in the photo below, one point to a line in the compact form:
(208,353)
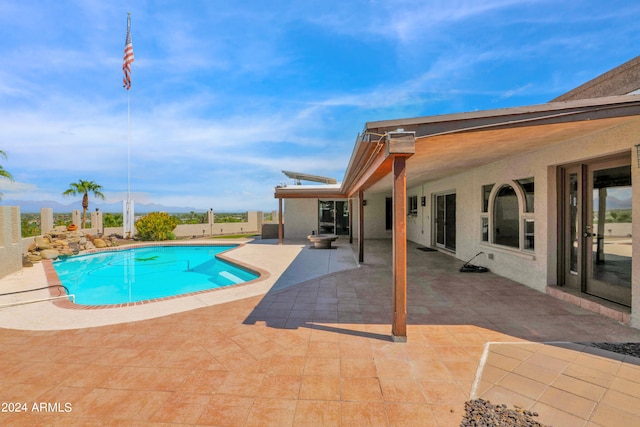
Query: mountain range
(34,206)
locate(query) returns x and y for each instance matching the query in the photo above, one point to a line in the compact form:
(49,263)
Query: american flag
(128,56)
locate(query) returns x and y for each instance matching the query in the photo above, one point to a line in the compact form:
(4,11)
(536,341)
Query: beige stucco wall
(523,266)
(374,216)
(10,240)
(252,225)
(300,217)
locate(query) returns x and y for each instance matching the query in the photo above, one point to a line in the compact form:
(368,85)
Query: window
(486,193)
(507,216)
(527,188)
(412,206)
(485,229)
(529,234)
(506,222)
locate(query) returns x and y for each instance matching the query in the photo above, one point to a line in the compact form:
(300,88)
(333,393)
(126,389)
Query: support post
(351,221)
(361,226)
(399,326)
(280,227)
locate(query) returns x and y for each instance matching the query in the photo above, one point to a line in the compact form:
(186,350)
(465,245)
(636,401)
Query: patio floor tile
(320,353)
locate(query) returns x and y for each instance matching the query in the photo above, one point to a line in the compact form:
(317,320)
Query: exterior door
(597,240)
(445,220)
(333,217)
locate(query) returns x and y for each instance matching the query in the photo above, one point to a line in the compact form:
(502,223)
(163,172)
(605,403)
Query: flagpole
(128,146)
(128,218)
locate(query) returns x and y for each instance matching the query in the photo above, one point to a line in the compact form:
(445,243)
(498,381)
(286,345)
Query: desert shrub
(112,220)
(157,226)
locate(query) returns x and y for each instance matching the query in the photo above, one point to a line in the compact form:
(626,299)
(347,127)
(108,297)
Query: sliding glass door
(333,217)
(445,220)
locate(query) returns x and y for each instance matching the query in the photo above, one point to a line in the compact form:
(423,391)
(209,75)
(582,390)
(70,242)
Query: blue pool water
(138,274)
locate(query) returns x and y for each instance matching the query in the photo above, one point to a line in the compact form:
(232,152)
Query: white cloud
(7,185)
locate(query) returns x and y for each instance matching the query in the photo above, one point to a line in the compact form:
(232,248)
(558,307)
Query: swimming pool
(146,273)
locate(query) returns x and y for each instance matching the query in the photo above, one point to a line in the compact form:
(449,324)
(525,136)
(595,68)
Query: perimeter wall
(10,240)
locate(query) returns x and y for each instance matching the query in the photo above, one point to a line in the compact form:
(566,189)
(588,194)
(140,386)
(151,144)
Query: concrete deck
(319,353)
(281,265)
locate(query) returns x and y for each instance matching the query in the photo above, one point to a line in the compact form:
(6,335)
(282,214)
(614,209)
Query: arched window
(506,217)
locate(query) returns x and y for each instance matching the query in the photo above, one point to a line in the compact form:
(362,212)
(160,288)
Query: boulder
(49,254)
(99,243)
(42,243)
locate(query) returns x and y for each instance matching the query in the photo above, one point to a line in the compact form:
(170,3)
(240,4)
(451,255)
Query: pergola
(396,154)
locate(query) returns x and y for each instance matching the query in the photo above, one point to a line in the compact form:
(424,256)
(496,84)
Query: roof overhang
(448,144)
(329,191)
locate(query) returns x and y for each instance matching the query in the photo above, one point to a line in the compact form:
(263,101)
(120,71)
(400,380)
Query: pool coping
(55,283)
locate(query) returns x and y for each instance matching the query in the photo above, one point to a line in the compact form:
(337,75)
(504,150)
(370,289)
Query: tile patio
(319,353)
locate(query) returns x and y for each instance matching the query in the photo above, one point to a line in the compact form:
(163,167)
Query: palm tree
(3,172)
(84,187)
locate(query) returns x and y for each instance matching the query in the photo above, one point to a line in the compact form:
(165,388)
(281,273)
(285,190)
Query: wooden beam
(351,221)
(399,325)
(379,167)
(280,227)
(361,226)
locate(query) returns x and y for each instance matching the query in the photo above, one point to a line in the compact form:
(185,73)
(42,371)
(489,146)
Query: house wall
(525,267)
(300,217)
(534,268)
(537,268)
(374,216)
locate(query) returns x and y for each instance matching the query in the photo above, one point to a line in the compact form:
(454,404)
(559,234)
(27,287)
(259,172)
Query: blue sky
(226,94)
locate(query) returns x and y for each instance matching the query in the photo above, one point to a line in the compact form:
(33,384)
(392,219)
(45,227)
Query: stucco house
(550,194)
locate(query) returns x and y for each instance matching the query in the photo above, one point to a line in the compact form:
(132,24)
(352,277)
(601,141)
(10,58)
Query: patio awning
(448,144)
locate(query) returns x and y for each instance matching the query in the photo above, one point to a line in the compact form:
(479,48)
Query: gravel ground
(482,413)
(626,348)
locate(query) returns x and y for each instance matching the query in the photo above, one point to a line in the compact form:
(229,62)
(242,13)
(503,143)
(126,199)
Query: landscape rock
(42,243)
(62,242)
(99,243)
(49,254)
